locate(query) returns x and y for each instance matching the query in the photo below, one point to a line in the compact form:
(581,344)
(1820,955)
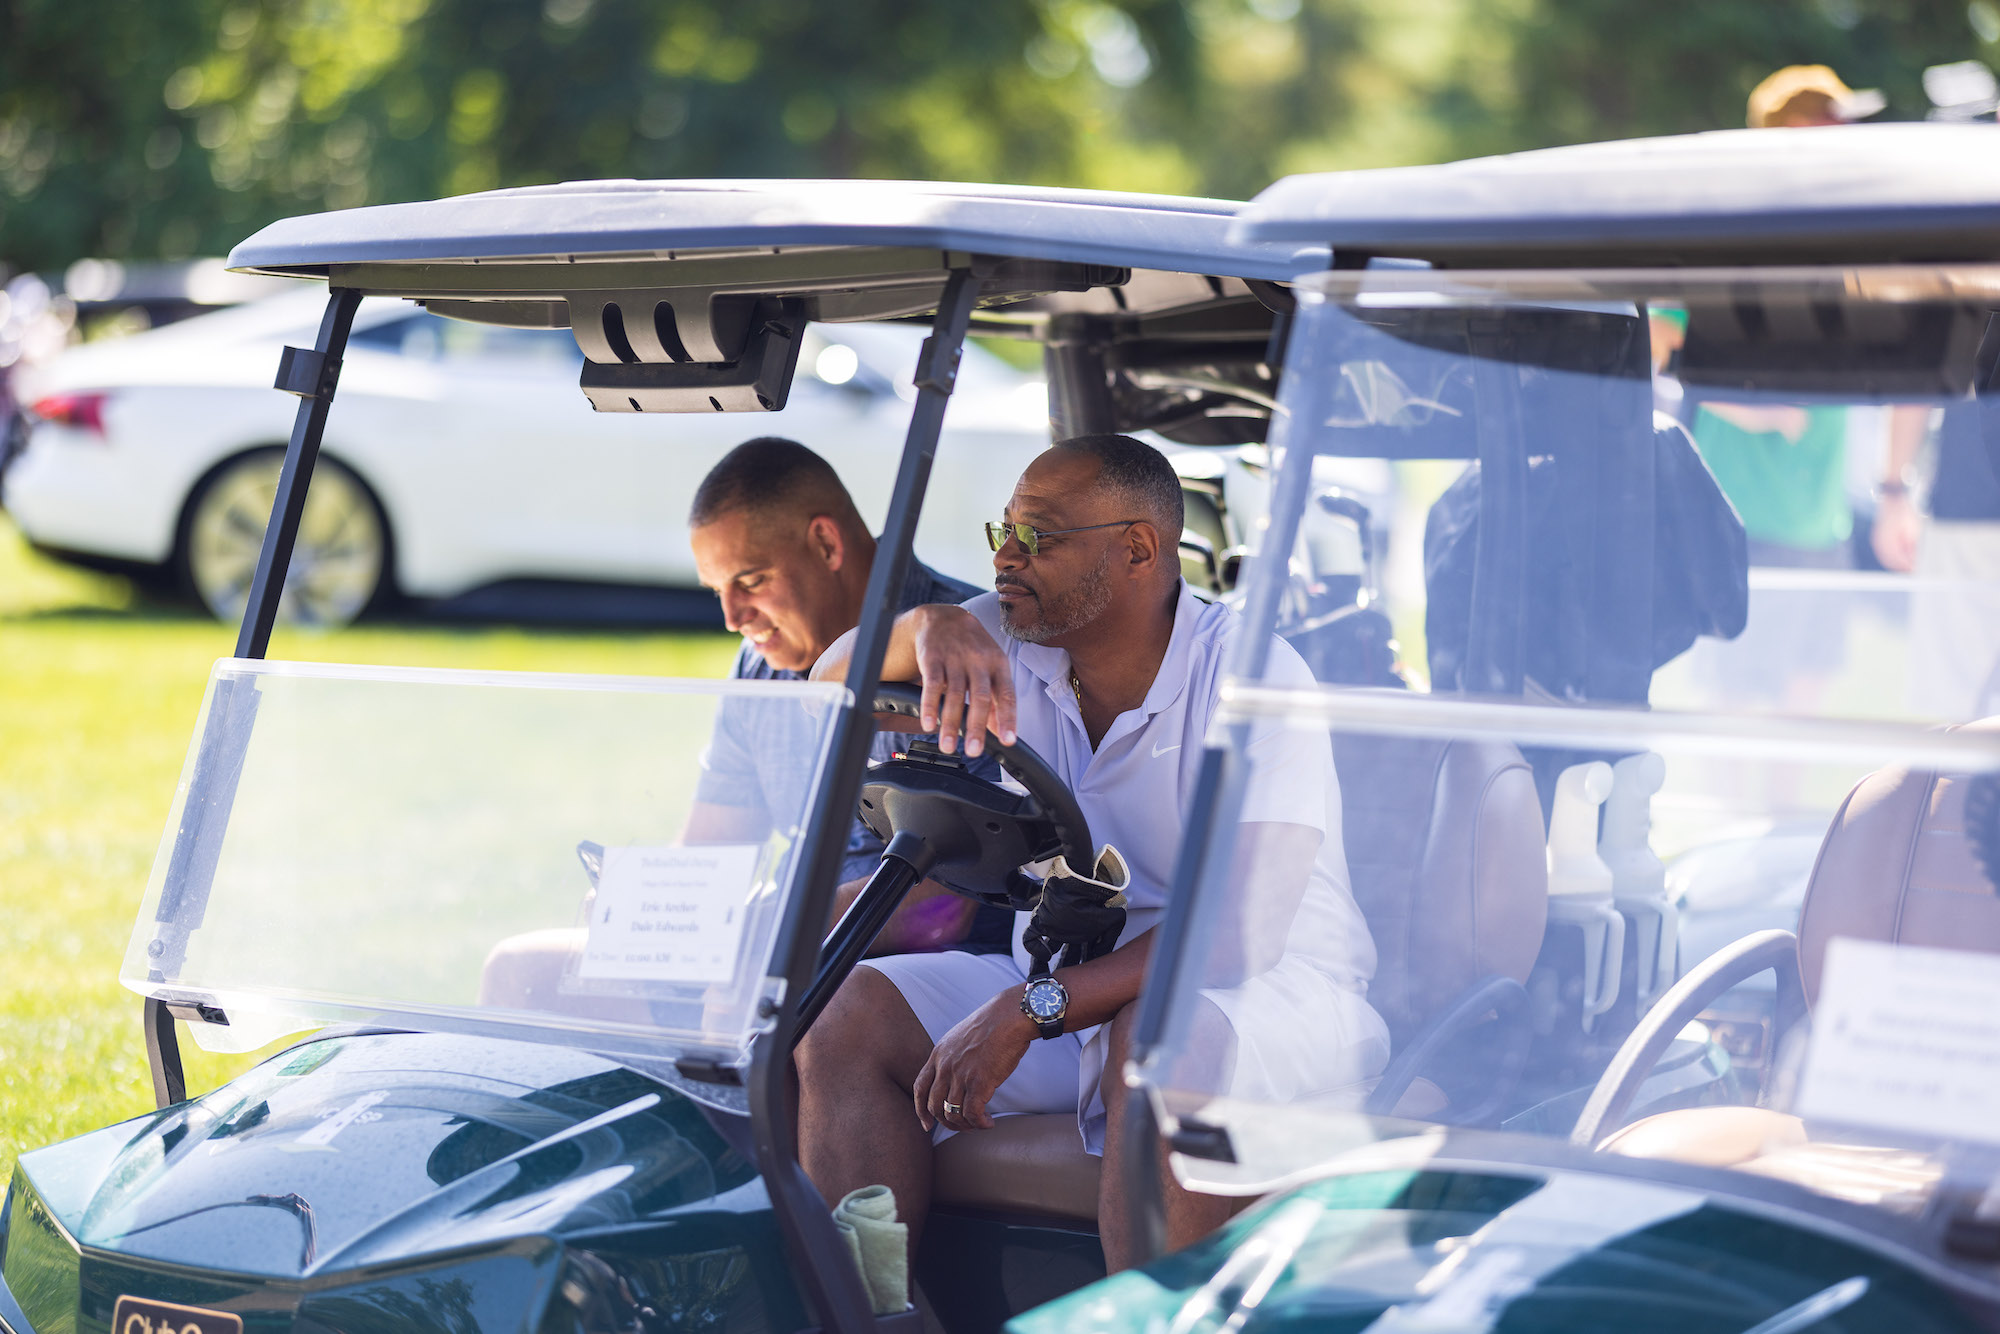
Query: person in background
(1802,96)
(1784,468)
(1955,608)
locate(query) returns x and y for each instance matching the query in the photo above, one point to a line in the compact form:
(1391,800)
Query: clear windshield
(1628,730)
(597,861)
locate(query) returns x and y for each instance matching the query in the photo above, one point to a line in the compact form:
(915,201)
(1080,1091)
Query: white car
(436,477)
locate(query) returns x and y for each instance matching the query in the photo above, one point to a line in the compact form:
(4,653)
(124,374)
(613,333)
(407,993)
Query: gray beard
(1074,610)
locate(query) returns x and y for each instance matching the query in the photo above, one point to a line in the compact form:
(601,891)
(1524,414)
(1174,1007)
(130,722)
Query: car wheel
(339,564)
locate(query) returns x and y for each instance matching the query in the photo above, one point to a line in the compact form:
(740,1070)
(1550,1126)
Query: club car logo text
(134,1315)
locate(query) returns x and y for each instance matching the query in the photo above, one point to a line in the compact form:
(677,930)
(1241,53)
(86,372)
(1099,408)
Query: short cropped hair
(1140,475)
(771,473)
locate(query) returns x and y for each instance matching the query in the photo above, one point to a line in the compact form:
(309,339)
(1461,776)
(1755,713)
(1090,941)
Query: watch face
(1046,999)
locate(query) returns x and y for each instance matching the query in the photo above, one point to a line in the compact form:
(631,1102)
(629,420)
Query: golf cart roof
(690,295)
(1873,194)
(624,219)
(779,236)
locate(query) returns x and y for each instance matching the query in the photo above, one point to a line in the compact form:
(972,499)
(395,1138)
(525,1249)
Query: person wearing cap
(1798,96)
(1783,467)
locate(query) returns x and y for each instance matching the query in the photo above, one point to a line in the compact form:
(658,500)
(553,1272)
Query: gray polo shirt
(760,757)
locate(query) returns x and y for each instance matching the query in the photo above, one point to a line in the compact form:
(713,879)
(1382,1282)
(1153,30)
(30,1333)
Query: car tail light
(80,410)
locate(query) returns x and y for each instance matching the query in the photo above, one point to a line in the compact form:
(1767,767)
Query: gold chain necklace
(1076,687)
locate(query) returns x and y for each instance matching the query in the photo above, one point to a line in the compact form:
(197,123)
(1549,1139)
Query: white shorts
(1296,1034)
(944,988)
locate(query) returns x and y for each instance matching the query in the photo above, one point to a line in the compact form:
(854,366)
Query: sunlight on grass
(99,687)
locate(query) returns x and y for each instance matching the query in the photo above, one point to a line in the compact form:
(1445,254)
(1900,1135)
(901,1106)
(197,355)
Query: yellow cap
(1812,90)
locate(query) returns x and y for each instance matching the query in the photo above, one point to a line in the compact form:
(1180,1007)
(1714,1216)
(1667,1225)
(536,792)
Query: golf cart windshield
(380,844)
(418,849)
(1659,846)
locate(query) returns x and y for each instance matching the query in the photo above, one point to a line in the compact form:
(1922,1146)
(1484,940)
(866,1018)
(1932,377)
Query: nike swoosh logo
(1159,750)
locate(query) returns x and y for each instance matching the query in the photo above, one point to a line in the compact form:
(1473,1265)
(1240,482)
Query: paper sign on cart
(669,914)
(1906,1038)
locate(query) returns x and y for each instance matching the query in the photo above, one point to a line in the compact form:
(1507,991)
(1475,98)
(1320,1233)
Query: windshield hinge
(708,1070)
(1198,1139)
(197,1012)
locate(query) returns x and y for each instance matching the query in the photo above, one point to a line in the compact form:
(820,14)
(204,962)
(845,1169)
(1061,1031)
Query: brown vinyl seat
(1455,895)
(1445,855)
(1895,866)
(1024,1165)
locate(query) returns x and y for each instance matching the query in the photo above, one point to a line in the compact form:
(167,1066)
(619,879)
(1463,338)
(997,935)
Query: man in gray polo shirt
(1092,647)
(777,537)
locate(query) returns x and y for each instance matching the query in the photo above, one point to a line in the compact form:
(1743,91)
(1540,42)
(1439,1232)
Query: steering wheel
(978,833)
(939,819)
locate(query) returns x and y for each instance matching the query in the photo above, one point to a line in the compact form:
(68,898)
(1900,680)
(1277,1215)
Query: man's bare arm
(967,683)
(1897,523)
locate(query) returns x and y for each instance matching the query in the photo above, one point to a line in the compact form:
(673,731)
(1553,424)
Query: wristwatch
(1046,1001)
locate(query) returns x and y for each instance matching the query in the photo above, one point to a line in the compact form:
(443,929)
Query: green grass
(99,687)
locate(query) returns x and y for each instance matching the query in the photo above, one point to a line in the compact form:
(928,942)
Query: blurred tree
(172,129)
(177,134)
(1382,82)
(92,159)
(1667,69)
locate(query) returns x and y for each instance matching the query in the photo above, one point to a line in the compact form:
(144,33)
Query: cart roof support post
(830,1277)
(312,374)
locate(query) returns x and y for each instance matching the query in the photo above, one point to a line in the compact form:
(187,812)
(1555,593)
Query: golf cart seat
(1452,901)
(1032,1164)
(1456,902)
(1895,866)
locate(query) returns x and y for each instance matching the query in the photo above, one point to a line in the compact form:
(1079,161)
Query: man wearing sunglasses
(1095,652)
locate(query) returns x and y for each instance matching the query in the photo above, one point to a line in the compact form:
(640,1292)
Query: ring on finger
(954,1109)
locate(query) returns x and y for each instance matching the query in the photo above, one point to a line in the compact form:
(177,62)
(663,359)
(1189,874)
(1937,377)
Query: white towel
(881,1245)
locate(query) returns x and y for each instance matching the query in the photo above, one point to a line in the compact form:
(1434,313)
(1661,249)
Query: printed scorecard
(669,914)
(1907,1039)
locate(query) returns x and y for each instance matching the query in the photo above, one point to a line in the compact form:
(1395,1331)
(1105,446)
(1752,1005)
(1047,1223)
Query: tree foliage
(176,127)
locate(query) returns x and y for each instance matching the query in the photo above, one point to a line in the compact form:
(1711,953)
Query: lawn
(99,687)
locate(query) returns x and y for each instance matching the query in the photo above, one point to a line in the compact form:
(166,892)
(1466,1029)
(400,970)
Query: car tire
(340,564)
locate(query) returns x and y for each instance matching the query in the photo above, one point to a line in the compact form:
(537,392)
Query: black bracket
(708,1070)
(163,1054)
(1198,1139)
(937,366)
(307,373)
(192,1012)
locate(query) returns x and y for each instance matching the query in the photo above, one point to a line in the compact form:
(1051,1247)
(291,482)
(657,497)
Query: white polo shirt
(1298,1023)
(1135,787)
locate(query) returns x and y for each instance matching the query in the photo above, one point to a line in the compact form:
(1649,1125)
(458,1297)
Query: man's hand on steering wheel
(967,683)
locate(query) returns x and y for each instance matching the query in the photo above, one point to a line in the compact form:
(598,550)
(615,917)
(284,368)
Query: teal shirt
(1792,492)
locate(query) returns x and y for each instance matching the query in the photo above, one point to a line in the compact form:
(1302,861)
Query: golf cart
(1563,1129)
(349,845)
(1547,1146)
